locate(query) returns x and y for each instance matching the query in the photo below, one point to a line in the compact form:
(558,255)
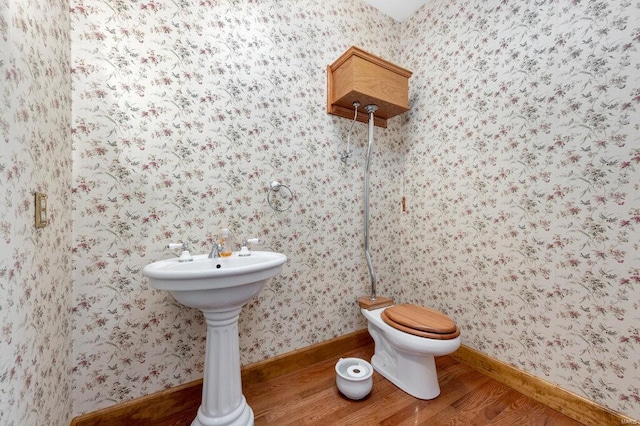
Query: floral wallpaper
(35,264)
(522,180)
(183,113)
(519,162)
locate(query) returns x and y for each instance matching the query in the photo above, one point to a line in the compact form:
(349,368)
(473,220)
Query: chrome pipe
(370,109)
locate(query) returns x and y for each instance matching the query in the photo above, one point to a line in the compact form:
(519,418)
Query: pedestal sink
(219,287)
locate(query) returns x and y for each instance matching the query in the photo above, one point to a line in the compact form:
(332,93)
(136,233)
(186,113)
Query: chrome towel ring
(279,201)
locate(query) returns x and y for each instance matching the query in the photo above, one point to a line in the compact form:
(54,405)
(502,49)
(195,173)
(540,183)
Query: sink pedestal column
(222,399)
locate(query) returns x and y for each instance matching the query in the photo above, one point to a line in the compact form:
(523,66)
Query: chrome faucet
(215,250)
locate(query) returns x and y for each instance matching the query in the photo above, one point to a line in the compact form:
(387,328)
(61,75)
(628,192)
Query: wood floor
(310,397)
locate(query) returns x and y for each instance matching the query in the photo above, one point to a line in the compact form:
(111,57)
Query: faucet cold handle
(244,250)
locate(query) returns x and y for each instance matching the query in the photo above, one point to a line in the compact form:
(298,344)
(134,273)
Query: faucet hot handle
(185,256)
(182,245)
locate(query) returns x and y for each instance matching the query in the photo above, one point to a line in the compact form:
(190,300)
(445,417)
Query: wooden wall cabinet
(360,76)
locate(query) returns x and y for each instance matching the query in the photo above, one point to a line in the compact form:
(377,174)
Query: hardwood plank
(537,414)
(470,405)
(303,392)
(549,394)
(468,398)
(456,381)
(368,412)
(493,408)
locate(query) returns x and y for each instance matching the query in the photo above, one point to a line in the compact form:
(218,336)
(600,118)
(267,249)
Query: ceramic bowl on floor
(354,377)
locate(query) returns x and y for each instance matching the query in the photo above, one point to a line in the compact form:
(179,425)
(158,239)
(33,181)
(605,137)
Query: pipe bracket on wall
(279,201)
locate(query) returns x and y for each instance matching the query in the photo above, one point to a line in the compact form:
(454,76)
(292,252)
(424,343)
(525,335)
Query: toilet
(407,337)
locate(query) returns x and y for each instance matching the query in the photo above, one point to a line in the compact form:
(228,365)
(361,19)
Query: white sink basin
(219,282)
(219,287)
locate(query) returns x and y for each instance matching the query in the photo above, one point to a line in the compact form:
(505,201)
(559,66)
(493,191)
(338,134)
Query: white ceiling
(397,9)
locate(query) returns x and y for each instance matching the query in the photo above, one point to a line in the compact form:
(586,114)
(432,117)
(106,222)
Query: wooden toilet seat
(420,321)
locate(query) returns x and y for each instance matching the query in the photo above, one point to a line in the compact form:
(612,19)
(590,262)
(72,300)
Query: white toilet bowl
(407,360)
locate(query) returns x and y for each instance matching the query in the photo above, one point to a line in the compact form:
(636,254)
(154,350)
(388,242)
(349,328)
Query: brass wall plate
(41,210)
